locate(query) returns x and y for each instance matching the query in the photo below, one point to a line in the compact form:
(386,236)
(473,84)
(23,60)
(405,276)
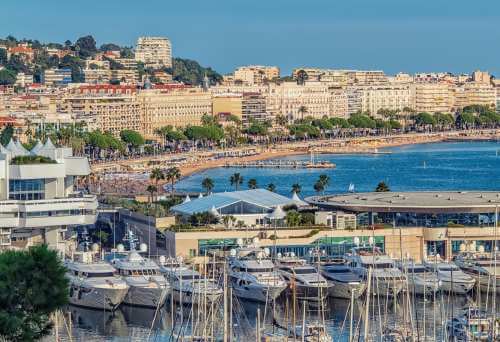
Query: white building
(154,52)
(38,203)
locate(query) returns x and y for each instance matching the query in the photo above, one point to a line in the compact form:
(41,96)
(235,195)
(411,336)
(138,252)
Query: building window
(27,189)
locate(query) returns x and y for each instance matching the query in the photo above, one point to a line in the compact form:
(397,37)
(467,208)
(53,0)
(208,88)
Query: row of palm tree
(236,180)
(171,175)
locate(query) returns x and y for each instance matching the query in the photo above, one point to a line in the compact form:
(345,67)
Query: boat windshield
(99,274)
(304,270)
(190,276)
(416,270)
(379,265)
(449,269)
(259,270)
(338,270)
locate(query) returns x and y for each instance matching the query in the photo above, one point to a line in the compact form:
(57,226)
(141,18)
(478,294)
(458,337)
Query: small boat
(94,284)
(452,278)
(387,279)
(473,324)
(189,286)
(253,275)
(147,285)
(421,281)
(303,279)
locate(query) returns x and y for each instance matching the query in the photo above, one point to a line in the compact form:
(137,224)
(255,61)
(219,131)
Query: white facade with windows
(38,202)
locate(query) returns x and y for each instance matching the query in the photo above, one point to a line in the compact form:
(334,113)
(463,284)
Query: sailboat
(351,187)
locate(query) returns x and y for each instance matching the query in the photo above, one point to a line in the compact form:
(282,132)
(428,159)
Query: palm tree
(296,188)
(382,187)
(151,189)
(173,175)
(302,110)
(271,187)
(281,120)
(156,175)
(207,184)
(324,179)
(252,183)
(319,187)
(236,180)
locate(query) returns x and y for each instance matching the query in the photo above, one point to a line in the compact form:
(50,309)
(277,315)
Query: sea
(433,166)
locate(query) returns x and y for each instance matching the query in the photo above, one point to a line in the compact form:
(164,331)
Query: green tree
(86,46)
(151,189)
(133,138)
(271,187)
(236,180)
(191,72)
(465,120)
(207,184)
(33,285)
(382,187)
(296,188)
(293,218)
(301,77)
(324,179)
(173,175)
(6,135)
(252,183)
(319,187)
(7,77)
(360,120)
(302,111)
(425,119)
(157,175)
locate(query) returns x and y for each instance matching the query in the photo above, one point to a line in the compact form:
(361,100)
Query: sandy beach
(130,177)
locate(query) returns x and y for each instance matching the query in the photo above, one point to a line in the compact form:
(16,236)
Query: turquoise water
(436,166)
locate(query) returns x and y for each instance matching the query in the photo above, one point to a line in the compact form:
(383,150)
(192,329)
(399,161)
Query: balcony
(49,212)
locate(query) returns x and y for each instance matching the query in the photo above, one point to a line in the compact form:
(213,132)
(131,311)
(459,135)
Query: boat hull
(97,297)
(258,292)
(344,290)
(387,287)
(197,298)
(146,297)
(460,288)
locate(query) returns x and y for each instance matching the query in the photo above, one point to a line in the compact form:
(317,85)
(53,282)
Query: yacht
(304,280)
(253,275)
(343,280)
(386,278)
(189,286)
(421,281)
(473,324)
(482,267)
(94,284)
(147,286)
(452,278)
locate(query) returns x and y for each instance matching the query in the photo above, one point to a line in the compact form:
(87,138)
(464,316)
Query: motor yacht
(452,278)
(421,281)
(387,280)
(253,275)
(188,285)
(483,267)
(342,278)
(304,280)
(94,283)
(147,286)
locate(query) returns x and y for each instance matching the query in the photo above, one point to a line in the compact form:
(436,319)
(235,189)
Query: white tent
(200,195)
(36,148)
(187,199)
(277,214)
(297,200)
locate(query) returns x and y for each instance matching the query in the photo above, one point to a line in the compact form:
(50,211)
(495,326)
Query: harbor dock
(283,164)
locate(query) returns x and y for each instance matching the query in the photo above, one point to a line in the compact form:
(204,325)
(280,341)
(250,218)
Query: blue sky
(392,35)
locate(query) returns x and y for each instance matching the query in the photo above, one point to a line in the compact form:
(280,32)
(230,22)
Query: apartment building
(256,74)
(393,97)
(479,76)
(23,79)
(338,103)
(127,76)
(97,76)
(109,113)
(289,98)
(175,106)
(474,93)
(354,100)
(247,107)
(38,203)
(154,52)
(343,77)
(432,97)
(57,77)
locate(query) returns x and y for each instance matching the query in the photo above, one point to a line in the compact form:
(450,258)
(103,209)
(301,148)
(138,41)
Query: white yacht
(147,285)
(344,281)
(452,278)
(94,284)
(189,286)
(253,275)
(304,280)
(482,267)
(387,280)
(421,281)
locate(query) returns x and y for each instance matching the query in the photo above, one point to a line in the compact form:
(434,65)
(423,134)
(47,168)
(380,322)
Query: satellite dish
(279,255)
(438,256)
(310,252)
(267,252)
(95,247)
(180,259)
(239,242)
(370,240)
(120,248)
(143,247)
(292,254)
(323,252)
(162,259)
(255,240)
(233,252)
(356,241)
(480,249)
(463,247)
